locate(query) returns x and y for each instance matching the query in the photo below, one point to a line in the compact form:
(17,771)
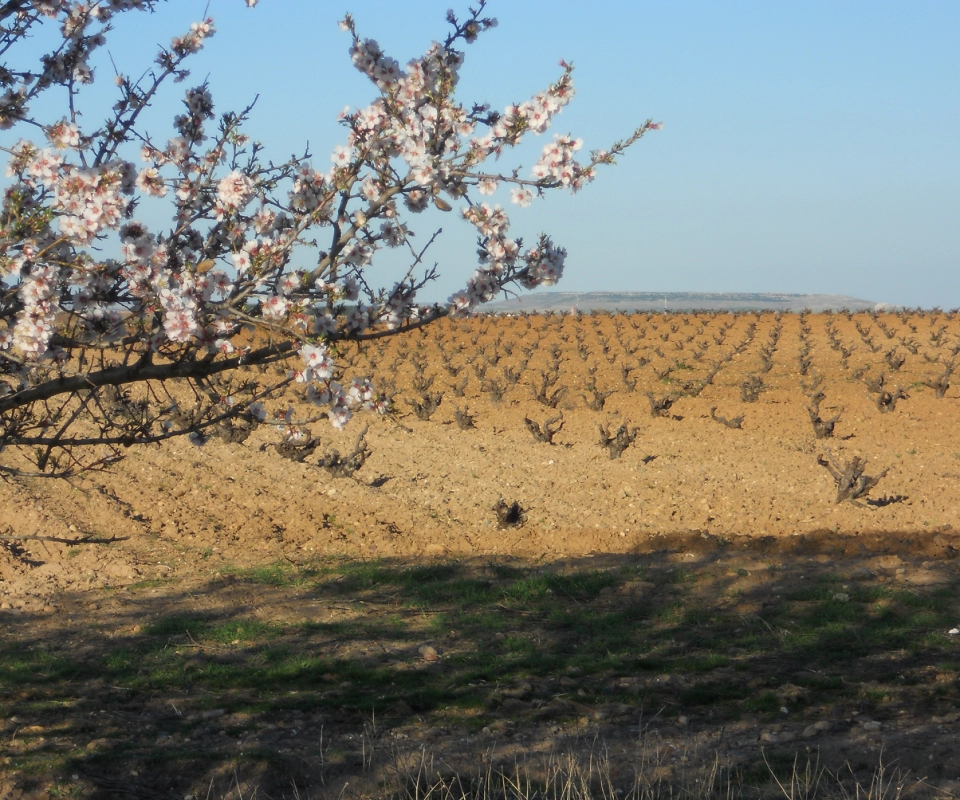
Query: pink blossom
(235,190)
(521,195)
(63,135)
(275,307)
(342,155)
(45,167)
(318,360)
(415,200)
(150,182)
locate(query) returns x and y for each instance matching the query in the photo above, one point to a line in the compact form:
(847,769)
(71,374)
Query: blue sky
(807,147)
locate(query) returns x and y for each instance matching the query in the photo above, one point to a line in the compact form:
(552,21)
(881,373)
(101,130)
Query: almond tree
(114,334)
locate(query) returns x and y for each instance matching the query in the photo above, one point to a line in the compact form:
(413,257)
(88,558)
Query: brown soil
(429,488)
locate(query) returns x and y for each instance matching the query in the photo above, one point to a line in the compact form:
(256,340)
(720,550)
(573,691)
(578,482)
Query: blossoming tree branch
(114,334)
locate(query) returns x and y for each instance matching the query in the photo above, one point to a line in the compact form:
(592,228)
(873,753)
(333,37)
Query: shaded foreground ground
(257,622)
(297,679)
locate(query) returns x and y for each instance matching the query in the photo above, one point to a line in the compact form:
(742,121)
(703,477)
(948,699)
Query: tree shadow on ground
(302,677)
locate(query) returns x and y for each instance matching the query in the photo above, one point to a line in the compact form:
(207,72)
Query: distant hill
(675,301)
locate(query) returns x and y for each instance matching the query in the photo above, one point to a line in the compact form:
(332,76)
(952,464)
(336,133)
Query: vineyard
(604,430)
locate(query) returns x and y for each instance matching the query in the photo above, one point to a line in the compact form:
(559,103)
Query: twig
(61,540)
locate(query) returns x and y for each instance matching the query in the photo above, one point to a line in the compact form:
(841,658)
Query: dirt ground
(428,489)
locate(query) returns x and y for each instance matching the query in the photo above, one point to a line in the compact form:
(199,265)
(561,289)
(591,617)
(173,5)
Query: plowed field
(429,486)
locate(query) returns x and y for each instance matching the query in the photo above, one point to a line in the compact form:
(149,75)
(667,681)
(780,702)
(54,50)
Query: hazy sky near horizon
(807,147)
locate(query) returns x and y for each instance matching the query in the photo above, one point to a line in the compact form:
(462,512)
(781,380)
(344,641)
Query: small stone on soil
(429,653)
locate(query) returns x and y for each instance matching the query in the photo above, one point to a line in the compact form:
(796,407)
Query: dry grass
(590,775)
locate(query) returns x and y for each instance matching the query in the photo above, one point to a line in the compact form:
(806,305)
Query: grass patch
(508,637)
(504,624)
